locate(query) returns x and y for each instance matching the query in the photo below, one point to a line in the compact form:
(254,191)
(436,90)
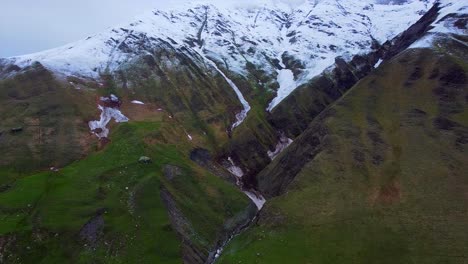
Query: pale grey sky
(33,25)
(28,26)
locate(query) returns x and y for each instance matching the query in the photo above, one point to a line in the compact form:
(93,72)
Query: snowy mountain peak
(267,33)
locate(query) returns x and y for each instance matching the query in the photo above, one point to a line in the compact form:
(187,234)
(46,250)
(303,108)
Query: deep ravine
(220,249)
(256,197)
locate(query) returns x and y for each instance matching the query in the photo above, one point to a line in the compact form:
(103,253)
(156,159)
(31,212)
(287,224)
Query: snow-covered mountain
(451,21)
(294,44)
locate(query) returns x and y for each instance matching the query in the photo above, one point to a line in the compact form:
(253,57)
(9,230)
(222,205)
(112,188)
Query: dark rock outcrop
(16,130)
(191,253)
(171,172)
(205,160)
(93,229)
(413,33)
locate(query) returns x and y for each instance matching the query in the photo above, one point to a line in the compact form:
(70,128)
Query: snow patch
(99,127)
(137,102)
(287,85)
(114,98)
(424,42)
(236,170)
(258,200)
(111,98)
(189,137)
(378,63)
(283,143)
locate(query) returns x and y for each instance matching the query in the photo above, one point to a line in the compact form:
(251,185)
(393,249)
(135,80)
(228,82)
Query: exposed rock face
(201,156)
(413,33)
(92,230)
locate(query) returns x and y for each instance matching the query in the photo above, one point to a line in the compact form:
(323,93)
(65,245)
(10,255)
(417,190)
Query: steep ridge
(421,30)
(379,176)
(293,115)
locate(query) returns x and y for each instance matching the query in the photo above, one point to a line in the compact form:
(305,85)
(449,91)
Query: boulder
(16,129)
(172,171)
(144,160)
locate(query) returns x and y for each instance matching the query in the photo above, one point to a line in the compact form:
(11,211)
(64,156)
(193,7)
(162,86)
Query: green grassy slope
(380,177)
(103,206)
(53,117)
(107,207)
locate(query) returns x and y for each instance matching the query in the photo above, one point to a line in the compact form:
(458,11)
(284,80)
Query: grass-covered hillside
(378,177)
(100,204)
(107,208)
(43,122)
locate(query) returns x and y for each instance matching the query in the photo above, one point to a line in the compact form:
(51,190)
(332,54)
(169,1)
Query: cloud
(28,26)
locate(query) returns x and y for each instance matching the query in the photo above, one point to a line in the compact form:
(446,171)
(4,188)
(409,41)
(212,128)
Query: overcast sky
(28,26)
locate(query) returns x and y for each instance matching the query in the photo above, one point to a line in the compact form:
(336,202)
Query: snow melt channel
(240,117)
(257,198)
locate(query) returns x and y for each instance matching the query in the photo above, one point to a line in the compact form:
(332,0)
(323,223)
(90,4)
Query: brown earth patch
(150,141)
(390,193)
(103,143)
(146,112)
